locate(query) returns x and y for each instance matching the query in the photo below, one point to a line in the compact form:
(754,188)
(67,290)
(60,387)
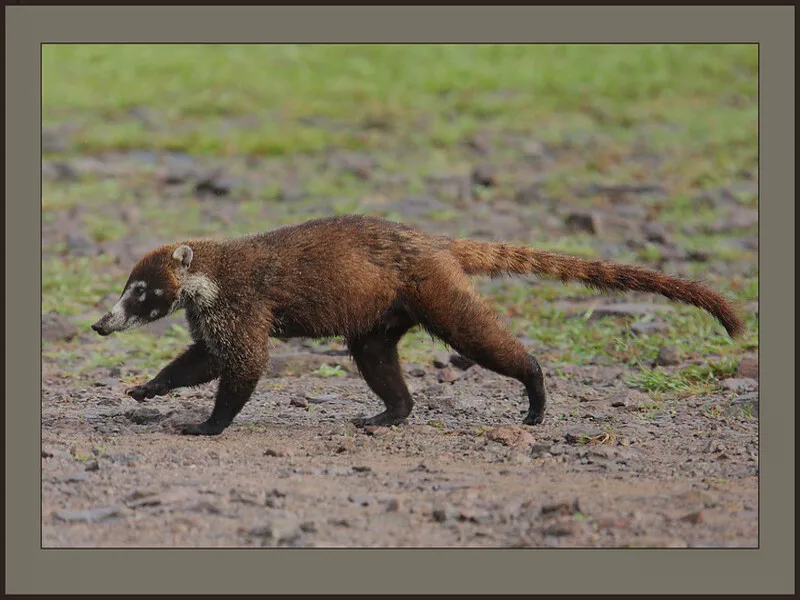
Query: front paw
(204,428)
(146,391)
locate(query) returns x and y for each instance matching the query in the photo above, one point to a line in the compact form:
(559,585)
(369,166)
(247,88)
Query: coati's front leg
(233,393)
(194,367)
(376,357)
(242,361)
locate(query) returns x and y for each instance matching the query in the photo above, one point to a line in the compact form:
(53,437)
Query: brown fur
(369,281)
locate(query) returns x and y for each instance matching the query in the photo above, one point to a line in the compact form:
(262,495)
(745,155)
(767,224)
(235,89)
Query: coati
(362,278)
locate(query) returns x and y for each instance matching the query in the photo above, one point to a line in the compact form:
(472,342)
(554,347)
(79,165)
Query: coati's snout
(151,292)
(100,327)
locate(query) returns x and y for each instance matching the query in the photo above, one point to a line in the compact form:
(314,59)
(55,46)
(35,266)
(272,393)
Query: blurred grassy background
(544,89)
(691,107)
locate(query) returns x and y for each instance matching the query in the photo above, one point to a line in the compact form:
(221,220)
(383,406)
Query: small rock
(590,222)
(73,477)
(698,255)
(57,328)
(620,403)
(204,506)
(484,175)
(290,194)
(558,449)
(362,500)
(748,368)
(540,451)
(393,505)
(80,245)
(534,150)
(738,385)
(320,398)
(46,454)
(144,416)
(510,436)
(668,356)
(416,372)
(614,522)
(440,514)
(106,382)
(129,459)
(656,232)
(359,165)
(531,194)
(562,529)
(449,374)
(299,402)
(744,402)
(562,508)
(213,185)
(339,522)
(275,453)
(93,515)
(646,327)
(273,501)
(479,142)
(580,435)
(695,518)
(280,531)
(92,465)
(377,430)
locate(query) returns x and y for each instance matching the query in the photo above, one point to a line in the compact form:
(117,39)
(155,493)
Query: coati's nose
(99,329)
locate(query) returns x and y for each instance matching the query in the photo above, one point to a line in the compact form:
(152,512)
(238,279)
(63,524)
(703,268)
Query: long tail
(495,259)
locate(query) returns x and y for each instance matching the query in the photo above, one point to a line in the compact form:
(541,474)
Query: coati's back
(334,274)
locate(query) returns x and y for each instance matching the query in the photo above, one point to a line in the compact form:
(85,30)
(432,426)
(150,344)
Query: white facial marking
(120,321)
(158,292)
(201,289)
(154,313)
(142,297)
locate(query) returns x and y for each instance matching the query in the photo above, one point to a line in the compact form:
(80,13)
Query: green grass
(198,91)
(691,380)
(410,107)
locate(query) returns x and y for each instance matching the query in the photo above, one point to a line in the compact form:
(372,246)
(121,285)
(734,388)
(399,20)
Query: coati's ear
(183,255)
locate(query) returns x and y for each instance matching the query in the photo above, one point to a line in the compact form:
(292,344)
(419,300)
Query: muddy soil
(603,470)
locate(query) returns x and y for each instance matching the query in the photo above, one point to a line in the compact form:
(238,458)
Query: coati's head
(154,290)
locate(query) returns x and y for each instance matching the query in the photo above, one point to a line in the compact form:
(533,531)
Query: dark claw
(148,390)
(139,393)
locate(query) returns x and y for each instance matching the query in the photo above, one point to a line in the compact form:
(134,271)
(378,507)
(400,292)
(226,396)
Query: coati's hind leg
(375,355)
(452,311)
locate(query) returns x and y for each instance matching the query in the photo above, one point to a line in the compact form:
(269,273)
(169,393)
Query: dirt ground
(604,469)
